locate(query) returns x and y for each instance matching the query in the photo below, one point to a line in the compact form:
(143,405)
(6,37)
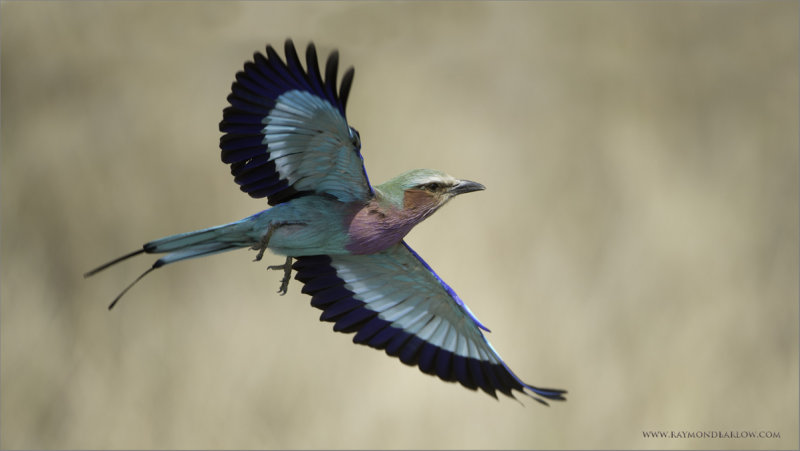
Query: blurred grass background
(637,243)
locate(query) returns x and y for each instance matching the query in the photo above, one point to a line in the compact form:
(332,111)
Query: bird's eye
(432,186)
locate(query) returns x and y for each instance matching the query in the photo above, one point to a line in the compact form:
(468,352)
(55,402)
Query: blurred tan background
(637,243)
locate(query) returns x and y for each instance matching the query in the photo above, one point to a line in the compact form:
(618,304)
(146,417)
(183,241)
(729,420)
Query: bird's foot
(287,274)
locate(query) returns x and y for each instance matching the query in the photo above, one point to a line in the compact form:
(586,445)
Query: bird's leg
(262,245)
(287,274)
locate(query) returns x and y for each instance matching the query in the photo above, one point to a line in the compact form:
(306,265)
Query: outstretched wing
(394,301)
(285,132)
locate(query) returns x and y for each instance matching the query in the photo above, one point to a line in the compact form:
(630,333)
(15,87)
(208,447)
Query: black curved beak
(466,186)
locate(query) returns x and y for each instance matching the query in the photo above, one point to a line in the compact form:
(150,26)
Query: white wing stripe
(438,336)
(427,332)
(392,314)
(378,301)
(412,316)
(473,351)
(369,296)
(462,348)
(383,304)
(418,324)
(450,341)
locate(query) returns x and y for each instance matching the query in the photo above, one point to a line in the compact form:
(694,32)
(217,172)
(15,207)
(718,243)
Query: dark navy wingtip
(272,54)
(289,48)
(536,393)
(552,394)
(344,87)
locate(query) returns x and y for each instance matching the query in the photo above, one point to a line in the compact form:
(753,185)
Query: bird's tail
(183,246)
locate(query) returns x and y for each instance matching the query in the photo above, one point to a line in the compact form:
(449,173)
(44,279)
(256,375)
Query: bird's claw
(287,274)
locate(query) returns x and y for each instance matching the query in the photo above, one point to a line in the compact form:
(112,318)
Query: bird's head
(425,190)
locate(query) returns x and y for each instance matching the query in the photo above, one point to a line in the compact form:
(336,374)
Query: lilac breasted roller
(286,138)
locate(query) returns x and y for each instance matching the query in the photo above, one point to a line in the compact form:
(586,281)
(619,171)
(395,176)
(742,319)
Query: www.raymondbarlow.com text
(711,434)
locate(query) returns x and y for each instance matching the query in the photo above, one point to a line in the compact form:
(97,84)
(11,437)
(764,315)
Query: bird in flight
(286,138)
